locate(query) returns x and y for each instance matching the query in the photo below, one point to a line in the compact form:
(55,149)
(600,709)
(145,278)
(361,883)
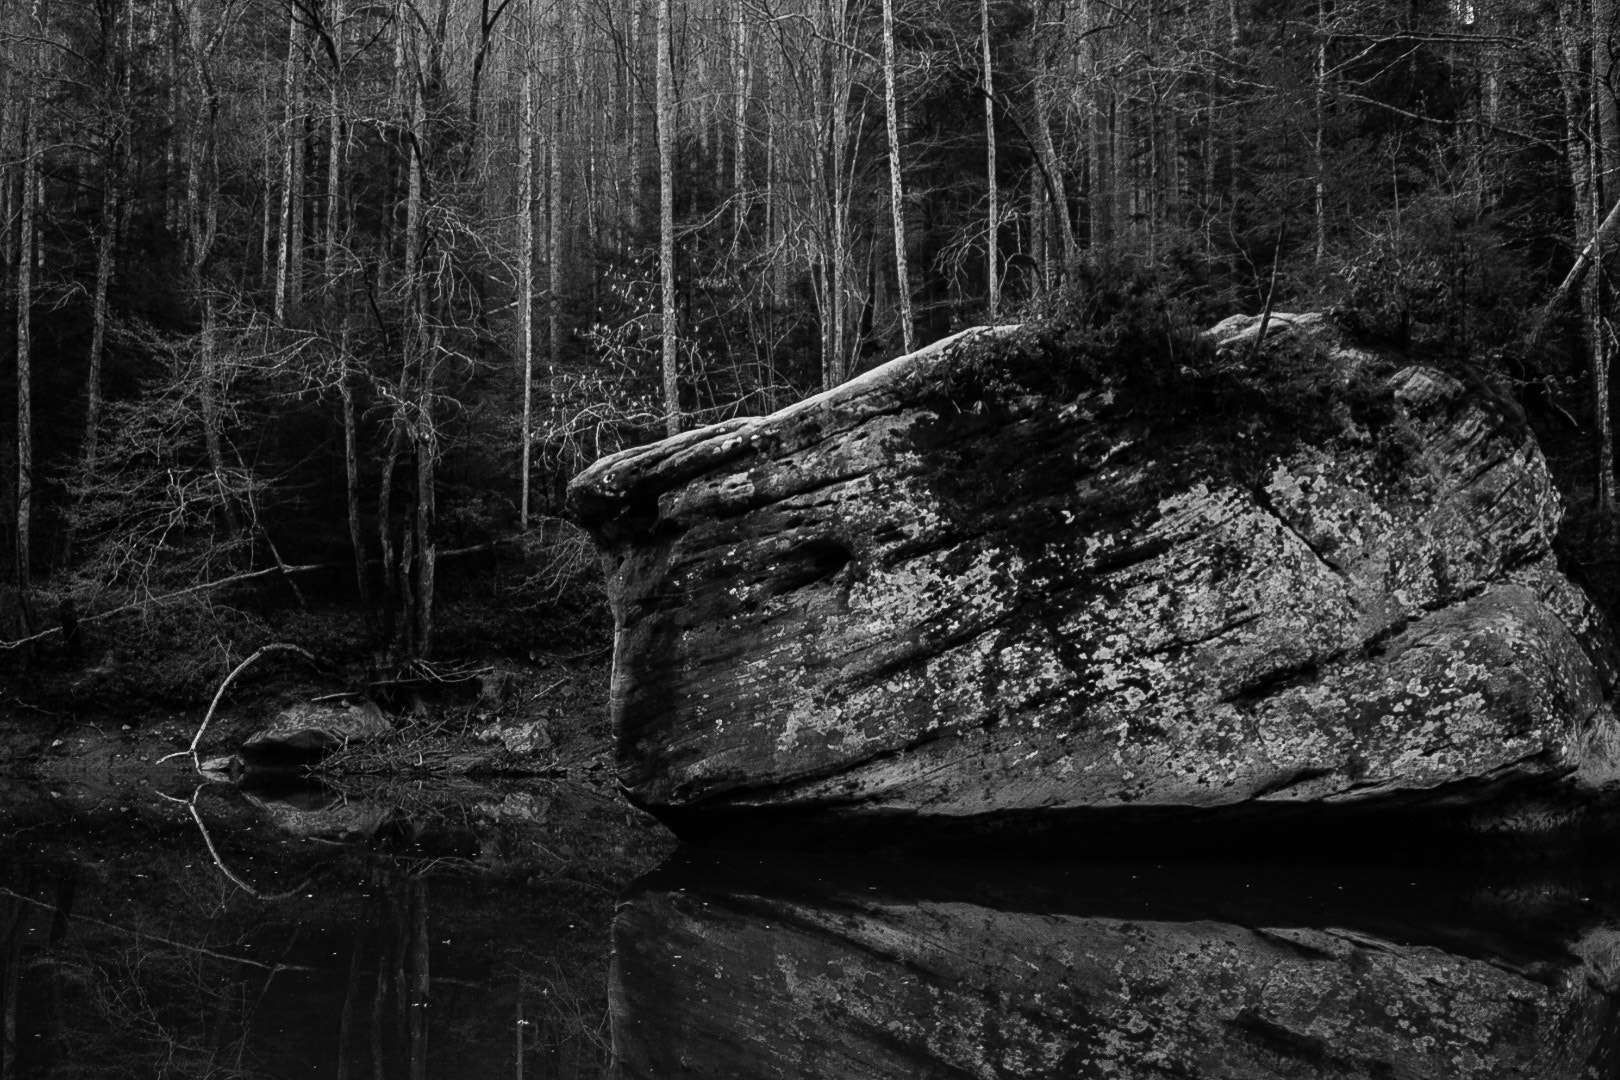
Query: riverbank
(541,716)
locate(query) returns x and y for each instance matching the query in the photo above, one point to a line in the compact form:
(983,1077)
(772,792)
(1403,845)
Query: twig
(220,693)
(1271,291)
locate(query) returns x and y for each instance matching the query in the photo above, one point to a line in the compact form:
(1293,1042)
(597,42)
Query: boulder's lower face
(963,607)
(1124,971)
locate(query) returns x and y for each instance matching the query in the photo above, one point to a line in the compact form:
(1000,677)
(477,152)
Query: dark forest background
(312,308)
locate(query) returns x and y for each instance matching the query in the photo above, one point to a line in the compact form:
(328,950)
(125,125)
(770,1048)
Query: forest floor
(539,716)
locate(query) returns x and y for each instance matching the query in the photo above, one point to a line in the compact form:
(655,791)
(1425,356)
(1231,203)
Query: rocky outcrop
(988,583)
(915,971)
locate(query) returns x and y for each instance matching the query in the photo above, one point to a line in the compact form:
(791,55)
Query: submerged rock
(987,585)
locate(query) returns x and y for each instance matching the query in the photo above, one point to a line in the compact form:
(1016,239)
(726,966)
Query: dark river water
(546,931)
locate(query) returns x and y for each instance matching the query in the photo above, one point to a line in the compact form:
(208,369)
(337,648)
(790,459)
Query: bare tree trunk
(25,306)
(293,134)
(1605,159)
(666,220)
(105,246)
(838,253)
(272,202)
(334,150)
(1318,105)
(739,129)
(106,243)
(385,511)
(25,345)
(351,470)
(295,217)
(427,452)
(992,245)
(208,401)
(554,201)
(896,192)
(633,103)
(525,207)
(1059,205)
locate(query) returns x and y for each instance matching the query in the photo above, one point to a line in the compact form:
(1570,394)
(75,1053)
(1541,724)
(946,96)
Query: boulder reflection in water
(765,968)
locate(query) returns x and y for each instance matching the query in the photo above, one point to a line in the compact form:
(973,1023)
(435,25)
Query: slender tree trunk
(992,244)
(272,202)
(1068,248)
(525,206)
(896,192)
(351,469)
(635,103)
(839,253)
(334,151)
(25,307)
(391,572)
(739,126)
(105,248)
(554,200)
(208,402)
(298,176)
(666,220)
(427,453)
(1319,117)
(107,242)
(293,134)
(1605,160)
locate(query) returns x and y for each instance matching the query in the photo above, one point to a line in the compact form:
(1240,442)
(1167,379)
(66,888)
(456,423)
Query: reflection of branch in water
(270,977)
(143,936)
(213,853)
(279,646)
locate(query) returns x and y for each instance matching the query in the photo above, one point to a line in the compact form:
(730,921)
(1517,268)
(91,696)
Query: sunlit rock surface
(1116,971)
(986,594)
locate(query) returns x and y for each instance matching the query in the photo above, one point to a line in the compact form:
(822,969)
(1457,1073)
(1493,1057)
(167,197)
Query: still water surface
(517,932)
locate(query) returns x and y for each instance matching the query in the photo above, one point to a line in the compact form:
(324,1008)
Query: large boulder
(990,584)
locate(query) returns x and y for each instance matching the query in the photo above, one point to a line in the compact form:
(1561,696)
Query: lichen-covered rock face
(955,590)
(854,978)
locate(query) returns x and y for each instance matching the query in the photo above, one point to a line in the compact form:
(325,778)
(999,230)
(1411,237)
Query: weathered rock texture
(855,980)
(982,581)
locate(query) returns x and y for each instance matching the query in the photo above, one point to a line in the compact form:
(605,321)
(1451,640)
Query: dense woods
(331,297)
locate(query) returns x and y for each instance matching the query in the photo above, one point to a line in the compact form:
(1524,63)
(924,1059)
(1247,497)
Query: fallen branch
(1561,295)
(220,693)
(166,597)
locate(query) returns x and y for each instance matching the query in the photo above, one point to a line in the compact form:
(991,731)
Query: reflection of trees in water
(353,934)
(117,1001)
(212,982)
